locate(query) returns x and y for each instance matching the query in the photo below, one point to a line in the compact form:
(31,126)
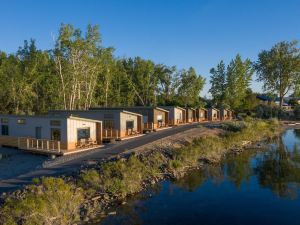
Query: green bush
(51,202)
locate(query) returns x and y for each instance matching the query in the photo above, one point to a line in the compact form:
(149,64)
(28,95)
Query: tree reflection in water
(279,170)
(276,168)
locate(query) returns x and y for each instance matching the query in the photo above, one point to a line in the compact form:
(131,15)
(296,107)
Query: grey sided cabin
(177,115)
(213,114)
(154,118)
(49,134)
(117,123)
(201,114)
(226,114)
(190,115)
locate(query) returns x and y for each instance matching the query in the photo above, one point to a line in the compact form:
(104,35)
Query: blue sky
(174,32)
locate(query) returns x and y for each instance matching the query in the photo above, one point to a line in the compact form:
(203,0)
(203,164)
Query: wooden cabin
(213,114)
(226,114)
(50,134)
(177,115)
(201,114)
(154,118)
(118,124)
(190,115)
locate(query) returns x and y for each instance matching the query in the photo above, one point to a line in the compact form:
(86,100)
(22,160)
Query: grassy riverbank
(71,199)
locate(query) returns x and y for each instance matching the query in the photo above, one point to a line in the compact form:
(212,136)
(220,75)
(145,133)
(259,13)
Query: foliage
(269,111)
(218,84)
(79,72)
(238,79)
(279,68)
(51,202)
(231,86)
(190,87)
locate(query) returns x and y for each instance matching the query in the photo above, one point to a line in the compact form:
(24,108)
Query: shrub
(233,126)
(124,177)
(51,202)
(90,179)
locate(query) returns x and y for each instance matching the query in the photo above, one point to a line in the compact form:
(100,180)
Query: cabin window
(38,132)
(55,122)
(4,130)
(21,121)
(108,124)
(4,120)
(129,124)
(83,133)
(55,134)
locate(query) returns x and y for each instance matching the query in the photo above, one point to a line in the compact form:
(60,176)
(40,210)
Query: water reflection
(247,178)
(279,170)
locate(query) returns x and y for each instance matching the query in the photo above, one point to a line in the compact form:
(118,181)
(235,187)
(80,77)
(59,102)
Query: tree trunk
(281,101)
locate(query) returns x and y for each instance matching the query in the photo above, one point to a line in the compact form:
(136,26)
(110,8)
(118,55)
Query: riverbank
(68,200)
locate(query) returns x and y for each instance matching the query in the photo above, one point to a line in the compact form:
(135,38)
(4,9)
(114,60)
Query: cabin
(57,135)
(213,114)
(226,114)
(201,114)
(177,115)
(190,115)
(154,118)
(118,124)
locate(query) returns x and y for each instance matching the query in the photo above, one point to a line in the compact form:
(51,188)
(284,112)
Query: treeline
(79,72)
(278,69)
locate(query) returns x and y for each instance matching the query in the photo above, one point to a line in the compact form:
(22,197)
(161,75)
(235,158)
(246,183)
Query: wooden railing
(111,133)
(148,126)
(39,144)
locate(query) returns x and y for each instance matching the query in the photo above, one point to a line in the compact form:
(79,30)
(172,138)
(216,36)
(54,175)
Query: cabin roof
(46,116)
(130,107)
(172,106)
(96,109)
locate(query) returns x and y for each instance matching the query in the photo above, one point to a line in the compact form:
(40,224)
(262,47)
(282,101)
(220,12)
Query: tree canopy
(279,68)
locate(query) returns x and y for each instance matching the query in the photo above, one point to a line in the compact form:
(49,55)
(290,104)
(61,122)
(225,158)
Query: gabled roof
(128,108)
(172,106)
(94,110)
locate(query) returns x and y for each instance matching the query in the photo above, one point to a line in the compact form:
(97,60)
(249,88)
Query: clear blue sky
(184,33)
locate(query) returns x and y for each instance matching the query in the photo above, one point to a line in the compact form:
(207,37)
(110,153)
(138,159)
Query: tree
(279,68)
(238,79)
(190,87)
(218,84)
(77,60)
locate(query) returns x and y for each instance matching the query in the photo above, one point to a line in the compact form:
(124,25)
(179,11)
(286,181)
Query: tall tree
(279,68)
(77,64)
(218,84)
(239,74)
(190,87)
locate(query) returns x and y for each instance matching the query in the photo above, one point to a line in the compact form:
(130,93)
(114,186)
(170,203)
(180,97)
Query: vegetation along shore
(79,198)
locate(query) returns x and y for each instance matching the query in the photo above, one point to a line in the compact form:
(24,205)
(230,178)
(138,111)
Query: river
(254,187)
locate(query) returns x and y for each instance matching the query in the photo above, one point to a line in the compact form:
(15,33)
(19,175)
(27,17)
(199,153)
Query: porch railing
(39,144)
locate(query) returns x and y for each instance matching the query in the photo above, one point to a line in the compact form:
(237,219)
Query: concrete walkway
(67,165)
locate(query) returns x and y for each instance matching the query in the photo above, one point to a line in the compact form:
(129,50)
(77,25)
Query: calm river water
(253,188)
